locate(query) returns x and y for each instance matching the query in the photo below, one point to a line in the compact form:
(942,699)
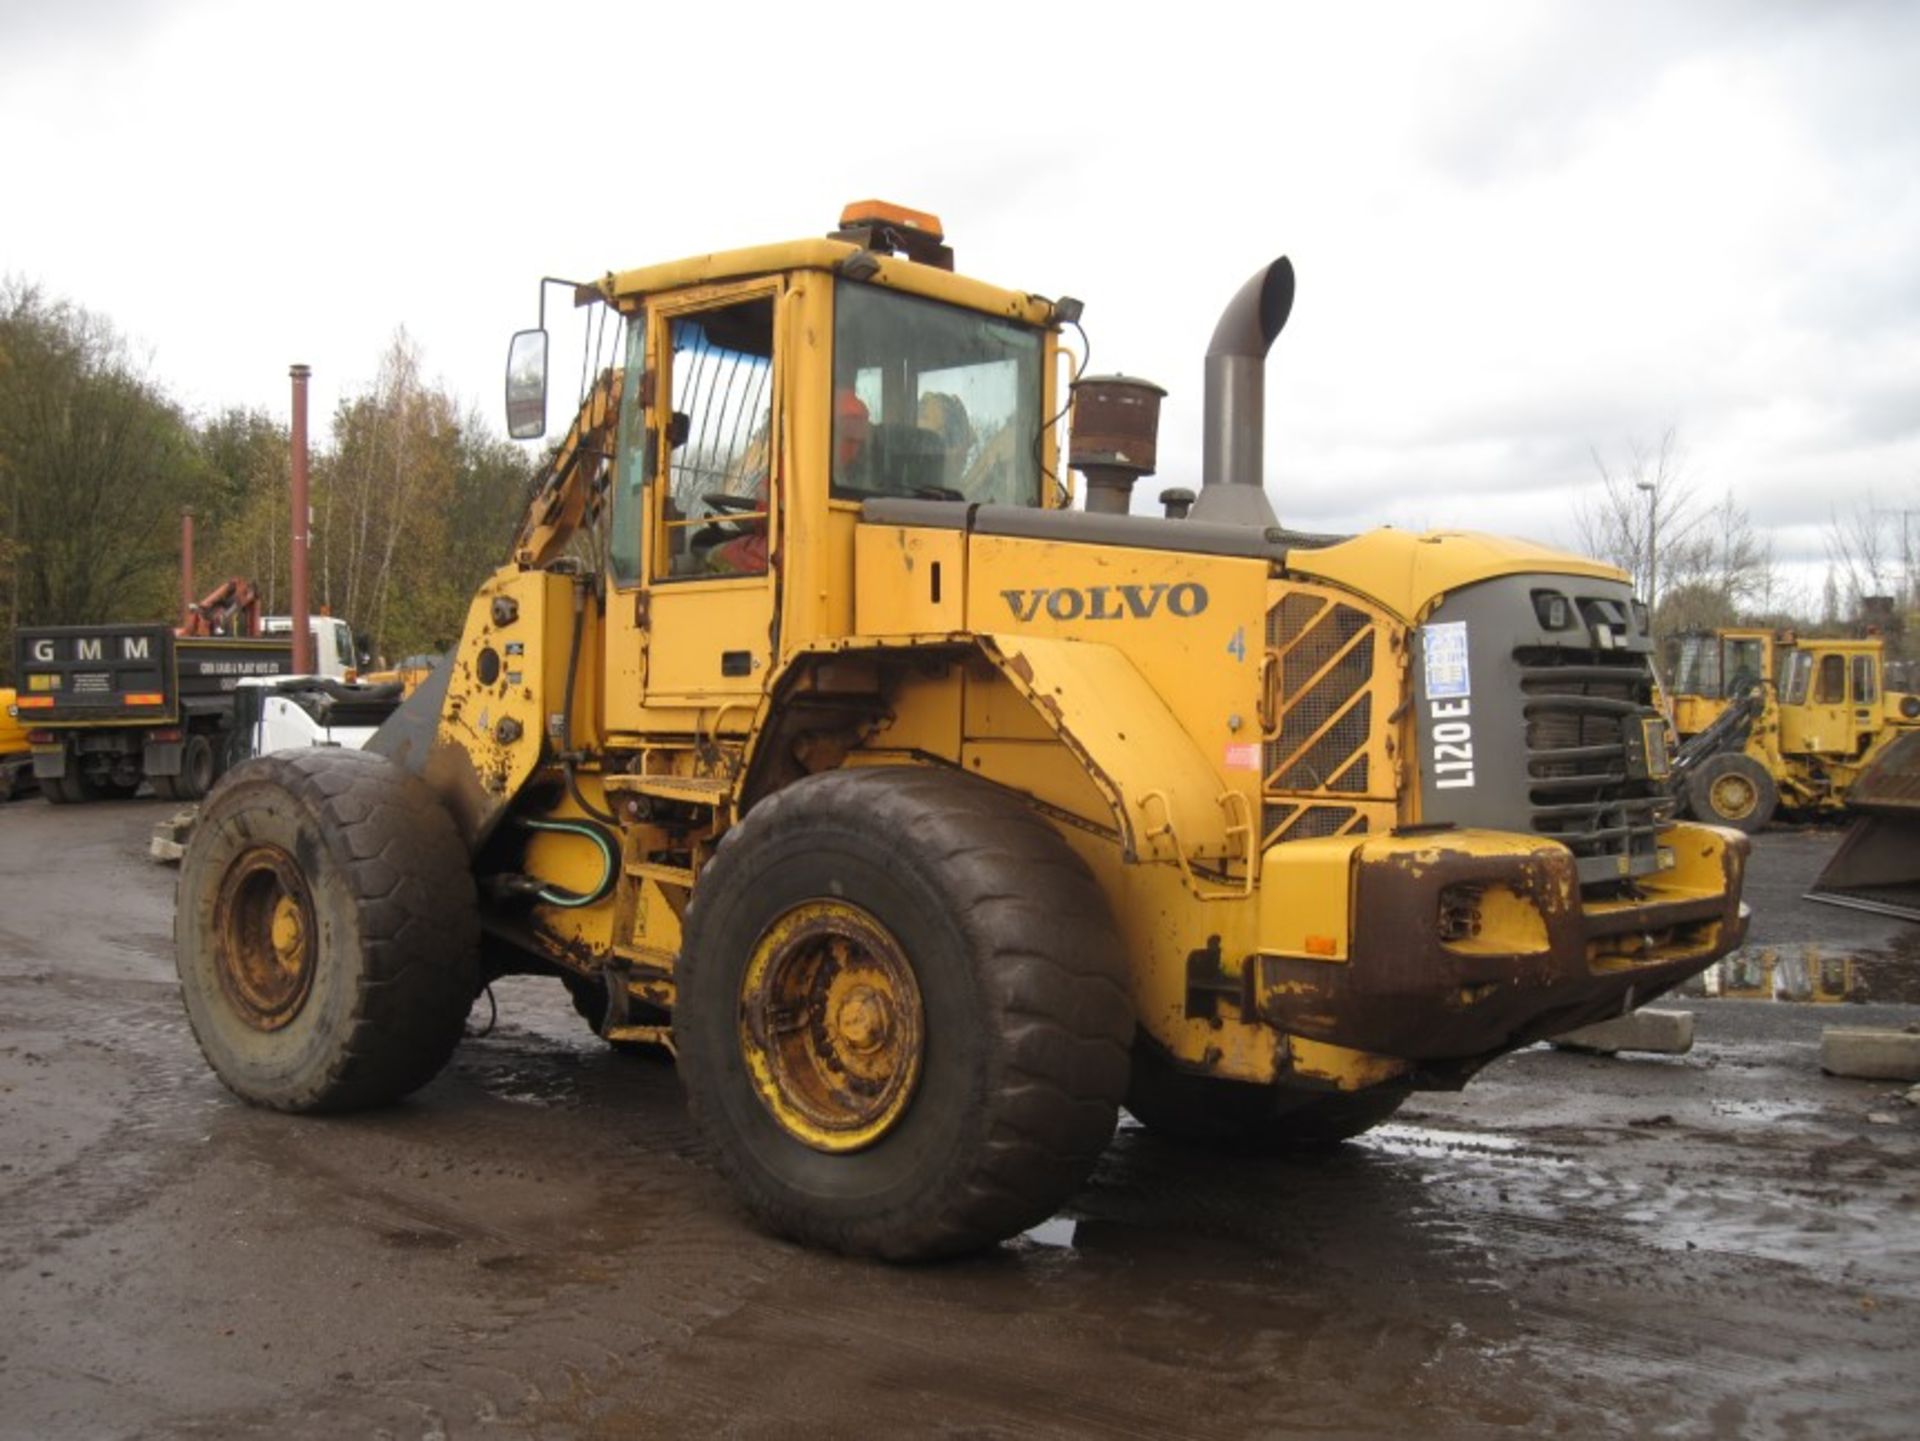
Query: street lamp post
(1653,538)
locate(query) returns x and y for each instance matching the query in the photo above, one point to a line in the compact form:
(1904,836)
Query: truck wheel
(69,790)
(1251,1120)
(1733,790)
(326,931)
(196,772)
(903,1019)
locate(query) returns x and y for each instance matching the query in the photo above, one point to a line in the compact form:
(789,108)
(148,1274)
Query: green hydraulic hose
(609,860)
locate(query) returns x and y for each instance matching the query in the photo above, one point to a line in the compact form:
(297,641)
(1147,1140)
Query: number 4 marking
(1237,647)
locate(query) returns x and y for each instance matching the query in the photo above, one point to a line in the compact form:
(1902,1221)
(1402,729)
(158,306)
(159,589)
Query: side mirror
(527,385)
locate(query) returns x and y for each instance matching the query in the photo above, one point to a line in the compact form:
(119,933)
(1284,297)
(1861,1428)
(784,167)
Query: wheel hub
(1734,796)
(831,1025)
(264,937)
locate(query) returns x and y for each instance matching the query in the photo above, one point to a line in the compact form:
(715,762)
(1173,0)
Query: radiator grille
(1578,706)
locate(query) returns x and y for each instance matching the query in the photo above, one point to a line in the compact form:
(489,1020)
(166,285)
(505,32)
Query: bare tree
(1871,550)
(1644,512)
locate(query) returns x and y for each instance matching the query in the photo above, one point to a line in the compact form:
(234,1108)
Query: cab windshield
(1696,666)
(933,401)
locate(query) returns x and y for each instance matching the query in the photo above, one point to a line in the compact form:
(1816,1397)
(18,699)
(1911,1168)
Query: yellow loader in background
(1768,719)
(811,735)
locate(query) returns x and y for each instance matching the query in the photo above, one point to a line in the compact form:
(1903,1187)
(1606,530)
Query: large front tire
(903,1021)
(325,931)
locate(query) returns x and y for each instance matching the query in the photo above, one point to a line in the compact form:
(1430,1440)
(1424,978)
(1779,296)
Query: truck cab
(334,654)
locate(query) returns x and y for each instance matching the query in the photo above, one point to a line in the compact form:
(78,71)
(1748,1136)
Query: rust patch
(1406,993)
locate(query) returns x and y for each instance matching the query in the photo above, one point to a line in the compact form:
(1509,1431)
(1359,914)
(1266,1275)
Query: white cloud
(1521,231)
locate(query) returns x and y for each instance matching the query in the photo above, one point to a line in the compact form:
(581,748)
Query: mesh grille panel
(1312,821)
(1319,766)
(1325,654)
(1287,619)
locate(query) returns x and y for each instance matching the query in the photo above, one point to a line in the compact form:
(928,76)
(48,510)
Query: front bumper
(1464,944)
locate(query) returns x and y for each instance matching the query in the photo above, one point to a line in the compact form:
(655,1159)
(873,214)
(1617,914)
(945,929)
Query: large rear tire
(1234,1116)
(325,931)
(903,1020)
(1732,789)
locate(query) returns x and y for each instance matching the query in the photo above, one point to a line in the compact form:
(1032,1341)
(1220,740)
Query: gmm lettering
(1107,602)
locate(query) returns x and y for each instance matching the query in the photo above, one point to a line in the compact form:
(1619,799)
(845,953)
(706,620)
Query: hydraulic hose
(609,861)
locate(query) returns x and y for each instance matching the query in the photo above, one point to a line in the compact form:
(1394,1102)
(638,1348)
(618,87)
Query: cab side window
(1832,686)
(1799,673)
(1865,687)
(720,439)
(635,457)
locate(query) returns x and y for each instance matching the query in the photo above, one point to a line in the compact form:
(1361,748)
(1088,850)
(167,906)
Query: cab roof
(625,289)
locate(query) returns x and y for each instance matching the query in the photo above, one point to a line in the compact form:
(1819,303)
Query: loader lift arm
(570,489)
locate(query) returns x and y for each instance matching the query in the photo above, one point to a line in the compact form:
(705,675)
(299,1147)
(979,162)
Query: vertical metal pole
(1653,548)
(302,626)
(1652,488)
(186,565)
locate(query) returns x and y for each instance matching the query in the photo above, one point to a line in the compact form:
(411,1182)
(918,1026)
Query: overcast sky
(1522,231)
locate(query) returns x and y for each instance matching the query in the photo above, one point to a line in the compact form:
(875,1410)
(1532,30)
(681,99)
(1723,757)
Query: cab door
(716,490)
(1823,721)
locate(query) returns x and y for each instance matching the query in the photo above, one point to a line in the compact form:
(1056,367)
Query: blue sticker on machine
(1445,647)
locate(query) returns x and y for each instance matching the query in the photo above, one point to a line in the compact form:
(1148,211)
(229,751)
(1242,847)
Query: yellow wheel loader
(1768,720)
(814,736)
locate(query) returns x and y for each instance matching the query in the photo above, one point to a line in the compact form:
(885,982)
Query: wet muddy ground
(1721,1244)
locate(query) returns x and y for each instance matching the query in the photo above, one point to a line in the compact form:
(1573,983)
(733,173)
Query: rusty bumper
(1466,946)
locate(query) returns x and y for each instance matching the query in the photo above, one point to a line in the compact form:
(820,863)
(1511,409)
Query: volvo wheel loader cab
(928,820)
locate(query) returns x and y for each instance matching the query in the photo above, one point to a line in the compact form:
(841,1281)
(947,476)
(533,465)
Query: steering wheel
(732,504)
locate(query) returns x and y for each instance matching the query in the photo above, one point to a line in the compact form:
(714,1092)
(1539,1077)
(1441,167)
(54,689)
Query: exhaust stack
(1232,485)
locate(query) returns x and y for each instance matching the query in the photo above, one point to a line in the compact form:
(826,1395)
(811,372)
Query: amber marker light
(880,212)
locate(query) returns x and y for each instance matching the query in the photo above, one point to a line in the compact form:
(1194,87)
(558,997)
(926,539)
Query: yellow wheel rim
(1734,796)
(264,937)
(831,1025)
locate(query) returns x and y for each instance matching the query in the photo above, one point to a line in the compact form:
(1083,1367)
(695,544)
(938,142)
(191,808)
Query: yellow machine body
(1823,714)
(1291,910)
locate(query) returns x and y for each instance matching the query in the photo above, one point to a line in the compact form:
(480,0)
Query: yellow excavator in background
(812,735)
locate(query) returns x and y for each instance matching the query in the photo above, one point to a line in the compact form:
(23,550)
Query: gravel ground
(1721,1244)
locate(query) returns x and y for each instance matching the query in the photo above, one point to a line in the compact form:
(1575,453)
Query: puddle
(1767,1112)
(1425,1141)
(1813,975)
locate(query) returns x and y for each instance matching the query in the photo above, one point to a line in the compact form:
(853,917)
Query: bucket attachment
(1877,867)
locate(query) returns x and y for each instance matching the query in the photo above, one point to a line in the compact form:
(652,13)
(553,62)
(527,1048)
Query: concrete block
(1871,1055)
(169,841)
(1667,1033)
